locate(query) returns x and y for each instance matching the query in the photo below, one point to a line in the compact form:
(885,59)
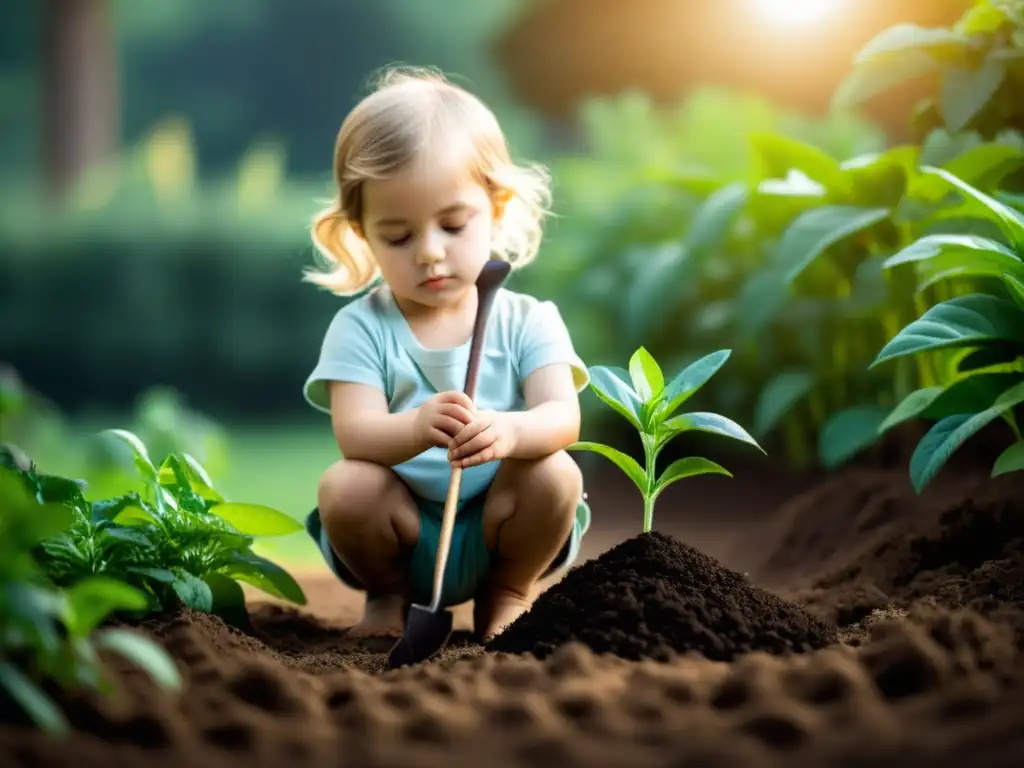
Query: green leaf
(647,377)
(940,257)
(710,224)
(193,592)
(711,423)
(910,407)
(687,467)
(92,600)
(849,432)
(142,652)
(31,698)
(987,357)
(161,575)
(25,521)
(111,509)
(970,395)
(945,437)
(1016,289)
(778,397)
(616,394)
(61,490)
(983,19)
(689,380)
(626,463)
(1010,460)
(140,455)
(813,232)
(228,599)
(966,91)
(870,77)
(905,36)
(1010,222)
(974,320)
(780,154)
(256,519)
(983,166)
(265,575)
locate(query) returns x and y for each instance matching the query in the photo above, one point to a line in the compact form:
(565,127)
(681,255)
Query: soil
(769,620)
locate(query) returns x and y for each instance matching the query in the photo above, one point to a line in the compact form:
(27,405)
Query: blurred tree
(560,51)
(81,106)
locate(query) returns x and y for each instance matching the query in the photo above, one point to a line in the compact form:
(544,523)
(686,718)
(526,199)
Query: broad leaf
(616,394)
(256,519)
(143,653)
(778,397)
(228,599)
(193,592)
(780,154)
(813,232)
(646,375)
(849,432)
(1010,222)
(943,440)
(905,36)
(974,320)
(968,395)
(871,77)
(690,466)
(33,700)
(1010,460)
(691,379)
(966,91)
(710,224)
(1016,289)
(143,463)
(711,423)
(967,249)
(94,599)
(266,575)
(626,463)
(112,509)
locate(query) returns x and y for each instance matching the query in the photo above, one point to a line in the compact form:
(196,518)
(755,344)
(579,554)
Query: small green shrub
(177,540)
(50,634)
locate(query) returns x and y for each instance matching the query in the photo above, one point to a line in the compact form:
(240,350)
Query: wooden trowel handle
(487,284)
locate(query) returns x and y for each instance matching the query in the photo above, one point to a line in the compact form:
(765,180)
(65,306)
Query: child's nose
(432,249)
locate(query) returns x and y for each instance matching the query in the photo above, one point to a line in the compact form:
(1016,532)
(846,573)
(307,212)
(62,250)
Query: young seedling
(649,406)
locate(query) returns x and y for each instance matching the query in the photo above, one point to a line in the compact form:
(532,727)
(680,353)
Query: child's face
(430,229)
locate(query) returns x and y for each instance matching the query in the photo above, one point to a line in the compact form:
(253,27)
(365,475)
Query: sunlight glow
(797,11)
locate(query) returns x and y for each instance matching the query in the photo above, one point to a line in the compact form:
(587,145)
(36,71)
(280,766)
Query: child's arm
(366,431)
(552,419)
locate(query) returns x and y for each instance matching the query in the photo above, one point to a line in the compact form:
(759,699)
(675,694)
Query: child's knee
(559,479)
(360,496)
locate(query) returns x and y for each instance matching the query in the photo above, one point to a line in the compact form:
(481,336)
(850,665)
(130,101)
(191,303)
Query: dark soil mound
(653,596)
(963,548)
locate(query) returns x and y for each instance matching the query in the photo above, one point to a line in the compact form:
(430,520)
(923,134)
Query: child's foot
(382,617)
(495,610)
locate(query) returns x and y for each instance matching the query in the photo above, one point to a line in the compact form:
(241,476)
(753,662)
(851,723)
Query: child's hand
(489,437)
(442,417)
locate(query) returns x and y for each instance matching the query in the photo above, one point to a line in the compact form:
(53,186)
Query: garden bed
(890,636)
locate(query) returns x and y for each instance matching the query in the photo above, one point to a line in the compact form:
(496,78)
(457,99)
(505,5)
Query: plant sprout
(649,405)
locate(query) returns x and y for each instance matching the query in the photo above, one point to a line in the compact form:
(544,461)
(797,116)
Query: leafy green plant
(50,635)
(177,540)
(985,329)
(649,405)
(977,61)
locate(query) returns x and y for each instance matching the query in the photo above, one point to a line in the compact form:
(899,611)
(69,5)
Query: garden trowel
(428,627)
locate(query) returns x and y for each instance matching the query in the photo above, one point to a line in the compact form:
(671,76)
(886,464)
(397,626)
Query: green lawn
(279,466)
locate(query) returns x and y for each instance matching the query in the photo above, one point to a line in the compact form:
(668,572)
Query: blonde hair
(408,116)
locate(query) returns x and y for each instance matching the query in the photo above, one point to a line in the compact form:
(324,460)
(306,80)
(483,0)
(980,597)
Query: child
(427,194)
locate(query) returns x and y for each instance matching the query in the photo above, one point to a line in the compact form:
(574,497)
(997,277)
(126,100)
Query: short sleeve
(545,341)
(351,351)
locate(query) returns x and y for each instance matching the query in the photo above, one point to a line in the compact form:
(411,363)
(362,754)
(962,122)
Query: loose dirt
(855,624)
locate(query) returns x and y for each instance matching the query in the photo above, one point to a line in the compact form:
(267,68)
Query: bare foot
(382,617)
(495,610)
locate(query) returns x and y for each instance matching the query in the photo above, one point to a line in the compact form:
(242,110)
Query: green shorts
(469,559)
